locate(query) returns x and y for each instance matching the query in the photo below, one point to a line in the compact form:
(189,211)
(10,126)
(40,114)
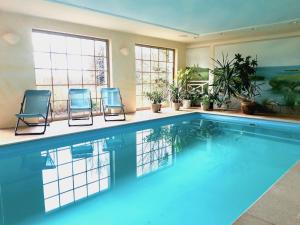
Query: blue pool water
(193,169)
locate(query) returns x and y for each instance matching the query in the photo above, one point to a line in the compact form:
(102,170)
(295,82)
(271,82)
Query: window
(65,61)
(152,63)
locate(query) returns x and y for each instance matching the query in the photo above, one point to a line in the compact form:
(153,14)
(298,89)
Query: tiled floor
(57,128)
(279,206)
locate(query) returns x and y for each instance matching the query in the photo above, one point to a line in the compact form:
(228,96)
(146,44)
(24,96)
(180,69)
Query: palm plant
(235,78)
(225,81)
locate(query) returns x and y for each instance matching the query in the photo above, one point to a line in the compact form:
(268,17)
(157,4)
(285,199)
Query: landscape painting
(279,85)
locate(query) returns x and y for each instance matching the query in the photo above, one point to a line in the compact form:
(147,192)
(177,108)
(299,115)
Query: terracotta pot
(205,107)
(176,105)
(248,107)
(155,107)
(186,104)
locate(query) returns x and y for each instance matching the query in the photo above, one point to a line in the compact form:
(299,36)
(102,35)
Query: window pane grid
(152,63)
(152,154)
(63,185)
(70,61)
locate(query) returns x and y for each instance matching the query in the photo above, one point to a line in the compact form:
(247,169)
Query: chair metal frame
(38,115)
(105,107)
(70,118)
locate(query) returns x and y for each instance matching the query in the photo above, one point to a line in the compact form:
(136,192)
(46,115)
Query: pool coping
(161,116)
(276,206)
(111,125)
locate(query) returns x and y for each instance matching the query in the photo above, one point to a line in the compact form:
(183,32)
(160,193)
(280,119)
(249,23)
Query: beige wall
(16,61)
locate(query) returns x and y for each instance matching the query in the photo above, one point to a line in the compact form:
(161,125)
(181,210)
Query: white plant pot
(186,104)
(205,107)
(175,106)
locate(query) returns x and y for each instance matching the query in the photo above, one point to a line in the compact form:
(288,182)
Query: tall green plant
(175,93)
(225,81)
(235,78)
(245,69)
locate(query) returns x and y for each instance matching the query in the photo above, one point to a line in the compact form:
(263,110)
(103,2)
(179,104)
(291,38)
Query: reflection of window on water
(152,154)
(81,170)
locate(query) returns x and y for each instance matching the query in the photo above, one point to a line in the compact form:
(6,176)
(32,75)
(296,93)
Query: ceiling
(197,16)
(188,21)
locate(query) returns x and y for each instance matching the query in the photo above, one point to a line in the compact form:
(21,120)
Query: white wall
(16,61)
(280,52)
(198,56)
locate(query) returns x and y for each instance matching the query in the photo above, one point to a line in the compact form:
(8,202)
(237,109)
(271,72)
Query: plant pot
(155,107)
(248,107)
(186,104)
(205,107)
(176,105)
(196,103)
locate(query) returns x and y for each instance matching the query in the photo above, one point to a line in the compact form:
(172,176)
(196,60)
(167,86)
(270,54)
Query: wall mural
(280,87)
(278,71)
(202,73)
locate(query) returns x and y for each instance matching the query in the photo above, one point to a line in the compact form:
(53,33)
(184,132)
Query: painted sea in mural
(279,84)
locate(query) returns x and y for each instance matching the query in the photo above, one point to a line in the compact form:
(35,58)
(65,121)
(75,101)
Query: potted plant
(175,96)
(196,95)
(245,69)
(158,95)
(156,99)
(206,103)
(186,98)
(183,79)
(236,78)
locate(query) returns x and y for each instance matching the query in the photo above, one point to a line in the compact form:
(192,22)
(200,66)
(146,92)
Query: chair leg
(119,114)
(45,126)
(104,114)
(70,118)
(92,116)
(30,125)
(124,115)
(17,126)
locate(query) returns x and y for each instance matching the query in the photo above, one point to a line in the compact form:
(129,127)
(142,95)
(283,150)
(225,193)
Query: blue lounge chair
(111,99)
(80,101)
(35,105)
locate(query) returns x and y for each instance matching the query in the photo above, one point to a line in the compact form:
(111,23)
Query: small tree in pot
(183,79)
(175,96)
(158,95)
(207,102)
(236,78)
(247,89)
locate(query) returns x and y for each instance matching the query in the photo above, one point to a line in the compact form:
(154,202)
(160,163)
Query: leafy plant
(160,93)
(206,100)
(175,93)
(245,69)
(156,97)
(196,95)
(235,78)
(184,76)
